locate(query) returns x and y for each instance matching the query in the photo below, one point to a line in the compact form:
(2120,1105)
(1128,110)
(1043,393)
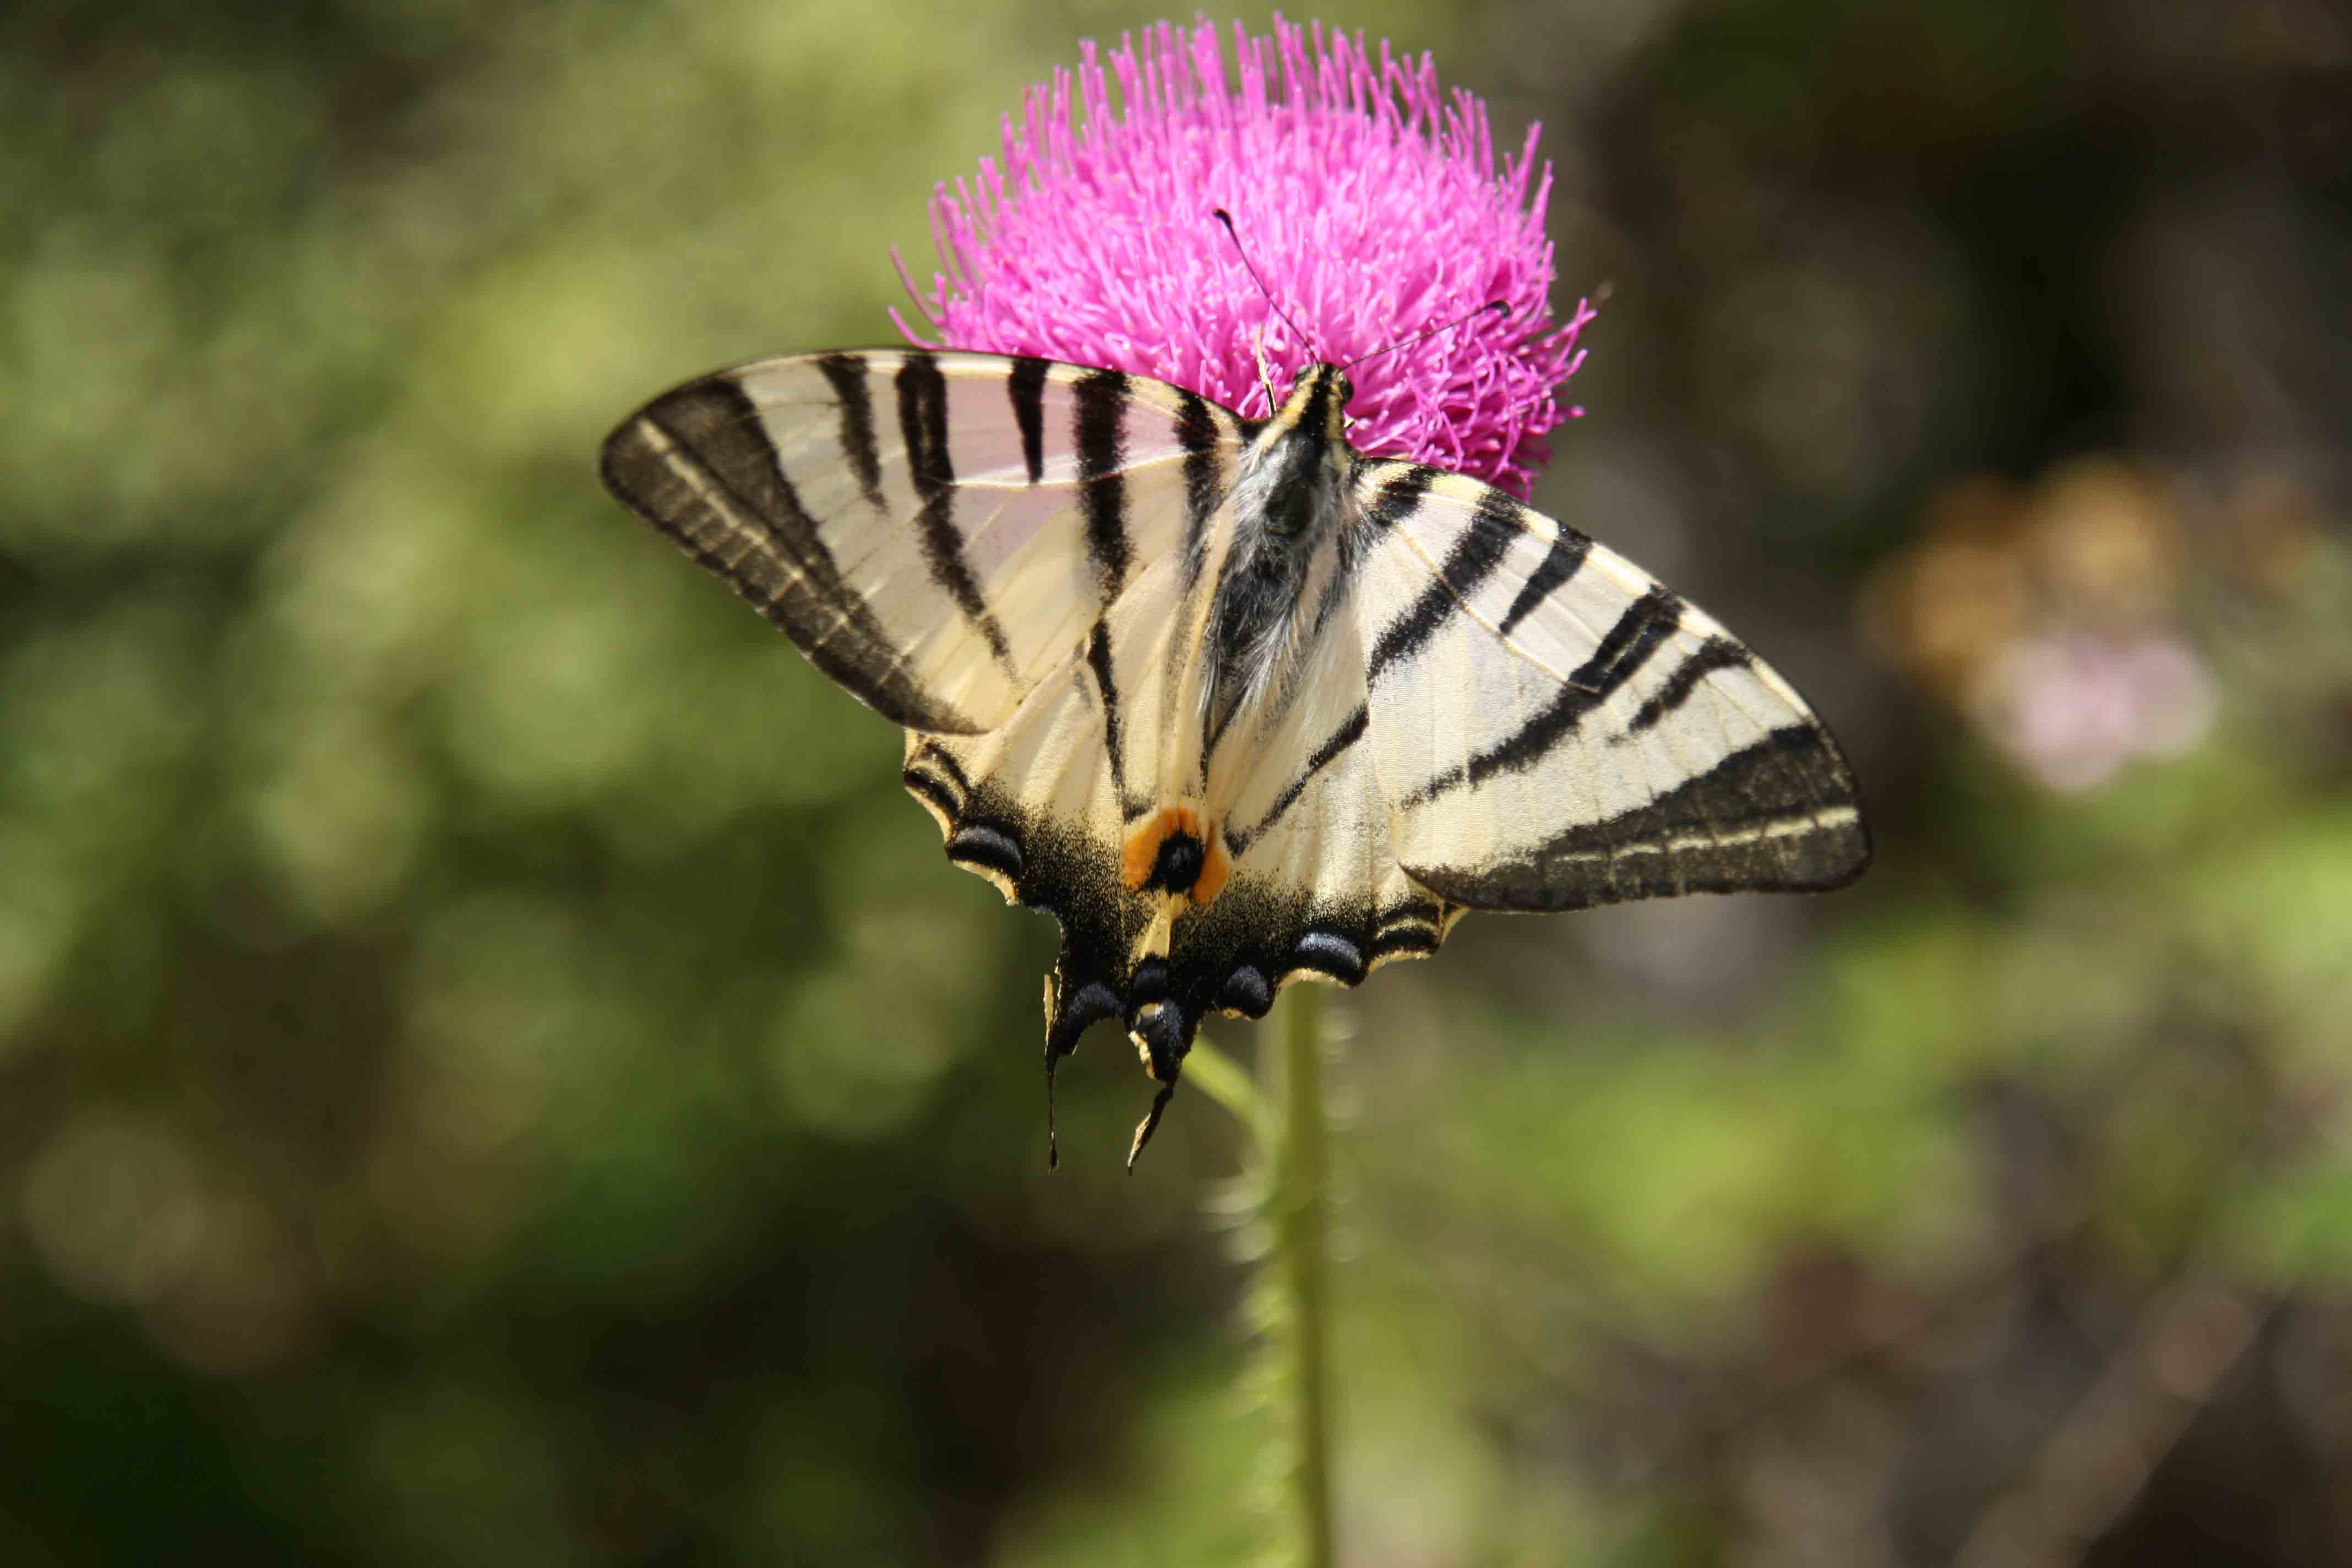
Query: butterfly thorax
(1289,493)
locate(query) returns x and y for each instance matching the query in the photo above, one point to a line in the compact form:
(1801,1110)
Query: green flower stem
(1299,1213)
(1222,1080)
(1289,1143)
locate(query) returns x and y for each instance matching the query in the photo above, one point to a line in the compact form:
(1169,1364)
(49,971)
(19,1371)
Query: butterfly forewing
(938,531)
(1552,729)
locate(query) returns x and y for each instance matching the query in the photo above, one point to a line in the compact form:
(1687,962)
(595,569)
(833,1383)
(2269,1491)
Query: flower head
(1373,204)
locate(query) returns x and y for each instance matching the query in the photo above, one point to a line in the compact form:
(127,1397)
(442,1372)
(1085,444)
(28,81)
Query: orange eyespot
(1174,851)
(1216,869)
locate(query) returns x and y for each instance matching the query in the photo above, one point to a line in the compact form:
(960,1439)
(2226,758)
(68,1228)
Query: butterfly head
(1318,403)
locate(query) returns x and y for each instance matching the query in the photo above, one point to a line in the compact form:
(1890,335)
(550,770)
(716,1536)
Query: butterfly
(1236,702)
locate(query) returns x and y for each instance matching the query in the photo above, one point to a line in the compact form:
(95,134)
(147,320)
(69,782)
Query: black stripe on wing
(1780,814)
(1647,622)
(1098,662)
(1205,479)
(1401,489)
(1349,732)
(1026,386)
(1485,540)
(1101,432)
(847,375)
(1715,654)
(923,423)
(1409,929)
(934,791)
(697,464)
(1560,565)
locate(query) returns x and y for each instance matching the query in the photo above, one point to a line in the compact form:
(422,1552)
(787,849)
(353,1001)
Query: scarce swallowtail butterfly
(1234,701)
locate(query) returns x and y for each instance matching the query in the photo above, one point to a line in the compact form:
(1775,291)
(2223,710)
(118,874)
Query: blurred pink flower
(2073,707)
(1373,204)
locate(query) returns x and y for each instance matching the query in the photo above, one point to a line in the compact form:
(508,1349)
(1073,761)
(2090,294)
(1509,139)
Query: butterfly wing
(1041,806)
(995,554)
(1317,888)
(939,533)
(1552,729)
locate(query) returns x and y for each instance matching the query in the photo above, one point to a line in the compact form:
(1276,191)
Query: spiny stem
(1299,1212)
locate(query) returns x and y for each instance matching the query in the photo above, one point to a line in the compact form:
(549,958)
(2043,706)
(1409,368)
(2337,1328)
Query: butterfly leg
(1264,374)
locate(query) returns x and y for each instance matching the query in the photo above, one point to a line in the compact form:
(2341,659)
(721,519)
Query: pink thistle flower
(1373,204)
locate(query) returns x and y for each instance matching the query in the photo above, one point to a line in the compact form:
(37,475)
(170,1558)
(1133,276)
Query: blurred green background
(492,1070)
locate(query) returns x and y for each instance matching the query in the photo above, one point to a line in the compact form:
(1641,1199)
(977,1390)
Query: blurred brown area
(490,1071)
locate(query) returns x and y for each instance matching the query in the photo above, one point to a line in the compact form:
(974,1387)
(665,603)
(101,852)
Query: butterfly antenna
(1226,219)
(1497,305)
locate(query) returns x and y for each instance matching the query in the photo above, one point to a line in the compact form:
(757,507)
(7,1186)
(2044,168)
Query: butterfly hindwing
(1041,805)
(1554,730)
(1308,823)
(939,533)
